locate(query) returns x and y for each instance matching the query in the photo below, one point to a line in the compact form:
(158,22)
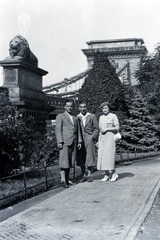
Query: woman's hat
(104,104)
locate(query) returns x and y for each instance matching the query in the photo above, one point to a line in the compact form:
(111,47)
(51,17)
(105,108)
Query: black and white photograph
(79,120)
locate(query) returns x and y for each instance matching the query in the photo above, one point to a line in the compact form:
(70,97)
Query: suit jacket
(67,131)
(91,127)
(86,155)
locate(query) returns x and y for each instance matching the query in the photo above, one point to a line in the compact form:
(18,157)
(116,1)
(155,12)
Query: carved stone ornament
(12,93)
(19,49)
(10,75)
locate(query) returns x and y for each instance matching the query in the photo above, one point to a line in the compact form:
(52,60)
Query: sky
(57,30)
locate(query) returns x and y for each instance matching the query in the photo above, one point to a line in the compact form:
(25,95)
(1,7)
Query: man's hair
(68,100)
(82,102)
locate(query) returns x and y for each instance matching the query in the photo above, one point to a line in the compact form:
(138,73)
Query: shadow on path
(100,174)
(126,175)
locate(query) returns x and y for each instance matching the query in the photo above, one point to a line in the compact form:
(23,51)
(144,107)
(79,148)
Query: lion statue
(19,49)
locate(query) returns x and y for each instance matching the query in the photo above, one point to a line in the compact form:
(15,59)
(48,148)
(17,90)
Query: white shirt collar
(84,116)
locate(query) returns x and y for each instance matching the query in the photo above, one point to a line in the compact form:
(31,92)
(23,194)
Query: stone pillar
(24,82)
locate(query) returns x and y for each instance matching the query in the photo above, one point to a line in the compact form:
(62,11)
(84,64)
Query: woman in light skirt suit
(109,125)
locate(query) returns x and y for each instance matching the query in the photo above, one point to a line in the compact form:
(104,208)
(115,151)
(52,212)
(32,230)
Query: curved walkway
(91,210)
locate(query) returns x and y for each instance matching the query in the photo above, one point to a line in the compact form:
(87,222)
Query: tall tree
(103,84)
(148,76)
(140,130)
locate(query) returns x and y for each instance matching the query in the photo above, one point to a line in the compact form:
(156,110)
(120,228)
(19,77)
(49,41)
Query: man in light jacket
(68,139)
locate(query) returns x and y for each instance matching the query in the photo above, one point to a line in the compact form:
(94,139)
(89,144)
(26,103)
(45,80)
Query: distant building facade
(124,54)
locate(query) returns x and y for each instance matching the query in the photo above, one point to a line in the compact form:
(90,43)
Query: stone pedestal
(24,82)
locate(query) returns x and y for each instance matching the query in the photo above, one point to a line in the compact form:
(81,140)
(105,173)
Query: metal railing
(130,155)
(47,182)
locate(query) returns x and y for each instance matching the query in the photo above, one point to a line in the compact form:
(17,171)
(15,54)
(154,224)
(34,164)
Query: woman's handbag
(117,137)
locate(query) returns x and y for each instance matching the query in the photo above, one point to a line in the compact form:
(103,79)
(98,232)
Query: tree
(103,84)
(140,130)
(8,129)
(148,76)
(21,144)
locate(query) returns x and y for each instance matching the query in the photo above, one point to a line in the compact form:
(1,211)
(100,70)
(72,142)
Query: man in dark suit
(68,139)
(90,132)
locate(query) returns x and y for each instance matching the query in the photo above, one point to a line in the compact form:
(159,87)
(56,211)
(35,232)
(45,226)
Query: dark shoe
(83,180)
(64,184)
(95,170)
(89,180)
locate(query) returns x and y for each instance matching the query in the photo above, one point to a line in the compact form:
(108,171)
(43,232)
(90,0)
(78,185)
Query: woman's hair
(104,104)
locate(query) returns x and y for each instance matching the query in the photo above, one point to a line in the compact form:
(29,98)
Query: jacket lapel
(87,120)
(68,118)
(81,122)
(74,120)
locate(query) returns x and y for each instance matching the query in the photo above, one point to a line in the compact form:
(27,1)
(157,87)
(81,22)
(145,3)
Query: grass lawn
(12,190)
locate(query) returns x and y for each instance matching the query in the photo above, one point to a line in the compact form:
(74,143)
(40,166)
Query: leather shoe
(106,178)
(64,184)
(83,180)
(89,180)
(69,182)
(114,177)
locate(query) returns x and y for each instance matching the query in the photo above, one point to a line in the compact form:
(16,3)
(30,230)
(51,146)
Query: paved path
(91,211)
